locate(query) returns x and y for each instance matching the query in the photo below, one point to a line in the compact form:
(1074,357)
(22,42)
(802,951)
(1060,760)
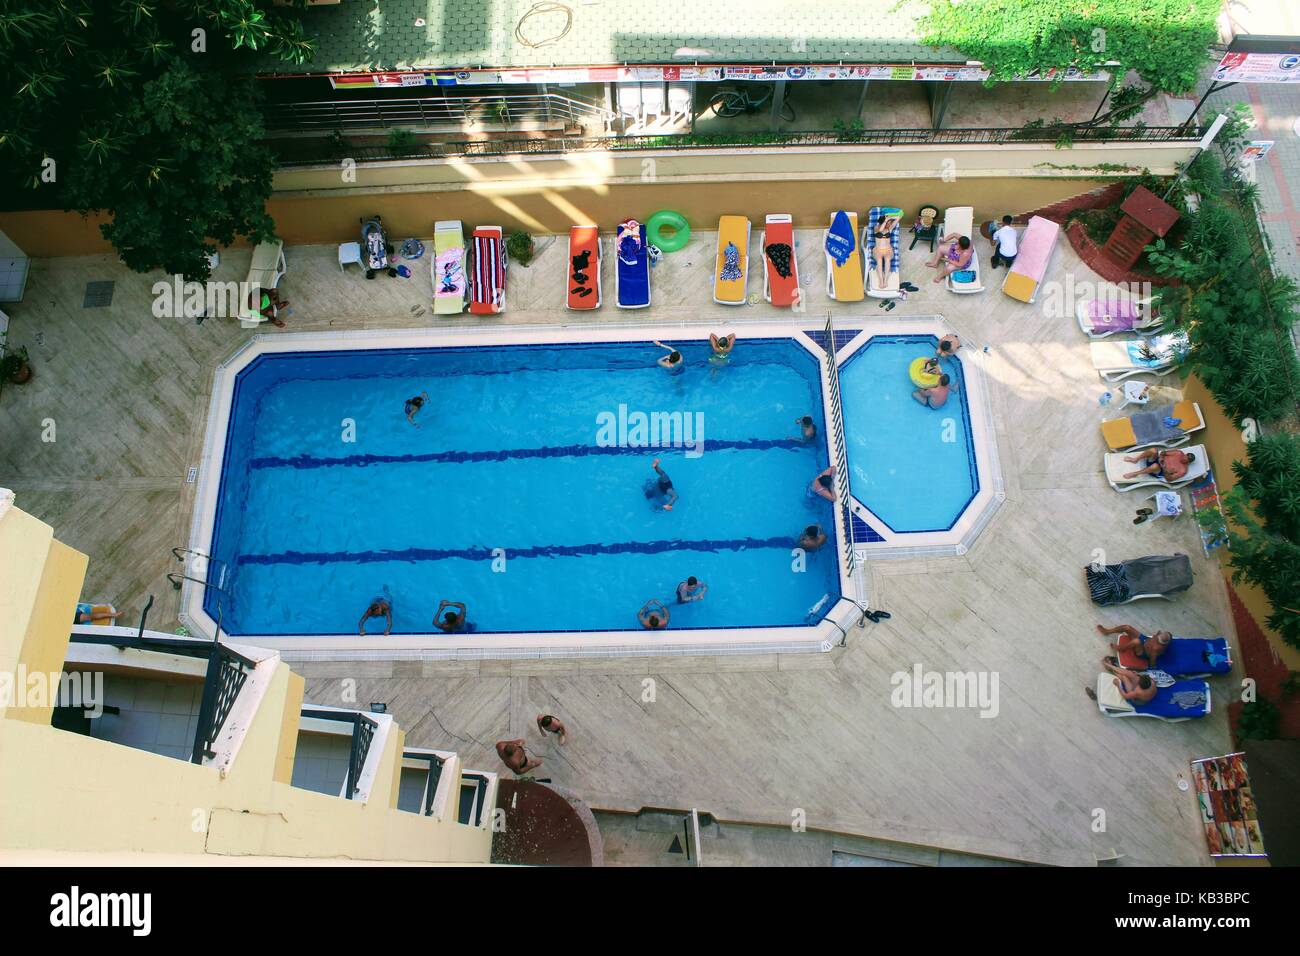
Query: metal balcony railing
(363,732)
(313,152)
(464,111)
(225,677)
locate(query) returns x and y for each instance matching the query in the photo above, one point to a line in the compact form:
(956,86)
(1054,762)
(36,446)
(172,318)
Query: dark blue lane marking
(537,551)
(559,451)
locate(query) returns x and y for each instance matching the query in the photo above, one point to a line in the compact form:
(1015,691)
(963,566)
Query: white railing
(462,111)
(839,455)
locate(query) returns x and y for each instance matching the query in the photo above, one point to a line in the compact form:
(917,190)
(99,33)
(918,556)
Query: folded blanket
(1149,426)
(1159,574)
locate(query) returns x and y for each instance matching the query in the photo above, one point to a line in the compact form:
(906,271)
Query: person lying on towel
(1136,649)
(1168,464)
(1134,688)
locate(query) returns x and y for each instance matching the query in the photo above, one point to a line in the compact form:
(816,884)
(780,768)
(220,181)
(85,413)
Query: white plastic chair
(679,102)
(629,102)
(652,102)
(349,252)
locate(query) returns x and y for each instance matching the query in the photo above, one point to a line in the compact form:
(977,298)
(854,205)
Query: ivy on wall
(1165,41)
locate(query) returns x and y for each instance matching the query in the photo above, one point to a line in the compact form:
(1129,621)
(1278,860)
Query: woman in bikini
(882,251)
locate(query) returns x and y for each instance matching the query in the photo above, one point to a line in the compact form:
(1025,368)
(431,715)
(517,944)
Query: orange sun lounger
(781,289)
(582,277)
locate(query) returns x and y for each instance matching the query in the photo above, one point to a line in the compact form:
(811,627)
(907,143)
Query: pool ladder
(177,578)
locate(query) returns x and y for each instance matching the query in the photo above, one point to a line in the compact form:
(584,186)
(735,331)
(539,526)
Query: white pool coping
(843,615)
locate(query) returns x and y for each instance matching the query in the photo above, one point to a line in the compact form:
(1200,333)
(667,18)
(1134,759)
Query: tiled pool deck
(753,738)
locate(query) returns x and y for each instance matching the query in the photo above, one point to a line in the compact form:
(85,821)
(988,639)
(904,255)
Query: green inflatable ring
(674,221)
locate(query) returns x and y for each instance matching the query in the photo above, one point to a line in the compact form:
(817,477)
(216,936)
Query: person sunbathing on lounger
(955,258)
(882,251)
(1146,649)
(1135,688)
(1168,464)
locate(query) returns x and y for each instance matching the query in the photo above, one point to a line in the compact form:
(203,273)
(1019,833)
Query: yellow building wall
(548,194)
(1224,443)
(61,791)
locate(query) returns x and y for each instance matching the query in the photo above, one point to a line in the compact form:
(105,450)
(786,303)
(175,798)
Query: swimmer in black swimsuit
(413,406)
(662,489)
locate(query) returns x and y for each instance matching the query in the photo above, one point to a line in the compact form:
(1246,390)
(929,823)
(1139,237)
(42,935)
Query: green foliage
(1259,720)
(1165,41)
(851,132)
(11,360)
(519,246)
(1264,530)
(109,106)
(402,142)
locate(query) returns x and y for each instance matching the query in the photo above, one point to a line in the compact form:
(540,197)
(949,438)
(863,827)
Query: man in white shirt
(1004,244)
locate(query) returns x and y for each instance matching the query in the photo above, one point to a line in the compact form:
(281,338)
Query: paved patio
(746,738)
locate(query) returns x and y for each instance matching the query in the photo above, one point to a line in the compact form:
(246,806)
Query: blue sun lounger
(631,268)
(1182,700)
(1188,657)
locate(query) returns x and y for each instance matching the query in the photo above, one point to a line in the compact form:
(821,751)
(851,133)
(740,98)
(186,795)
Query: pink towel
(1036,248)
(1105,316)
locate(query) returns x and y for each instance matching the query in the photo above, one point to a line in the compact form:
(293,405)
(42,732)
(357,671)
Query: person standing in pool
(673,361)
(721,350)
(824,485)
(807,429)
(379,607)
(454,620)
(948,346)
(935,396)
(653,615)
(812,538)
(660,489)
(692,589)
(413,406)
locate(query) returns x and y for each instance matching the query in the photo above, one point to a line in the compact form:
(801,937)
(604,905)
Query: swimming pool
(912,466)
(521,493)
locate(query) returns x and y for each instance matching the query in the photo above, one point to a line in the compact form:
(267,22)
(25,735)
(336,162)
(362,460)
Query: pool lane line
(536,551)
(558,451)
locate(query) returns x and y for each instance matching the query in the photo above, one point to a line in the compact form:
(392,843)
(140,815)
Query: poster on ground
(1227,806)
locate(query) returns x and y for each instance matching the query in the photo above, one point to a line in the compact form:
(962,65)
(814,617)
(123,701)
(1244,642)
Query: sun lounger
(731,271)
(448,272)
(1186,657)
(582,278)
(1153,576)
(1099,318)
(1148,428)
(843,258)
(1181,700)
(1118,359)
(631,266)
(487,286)
(780,269)
(1117,468)
(265,271)
(874,289)
(1035,252)
(960,220)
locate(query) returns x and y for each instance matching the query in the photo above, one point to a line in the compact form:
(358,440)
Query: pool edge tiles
(883,542)
(821,636)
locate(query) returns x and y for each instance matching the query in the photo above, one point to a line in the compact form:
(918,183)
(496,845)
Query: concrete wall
(547,194)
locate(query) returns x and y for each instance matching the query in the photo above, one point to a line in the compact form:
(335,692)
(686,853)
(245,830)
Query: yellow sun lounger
(844,283)
(731,271)
(1121,433)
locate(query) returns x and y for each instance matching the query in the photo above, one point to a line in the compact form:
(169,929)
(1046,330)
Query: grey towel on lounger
(1149,426)
(1159,574)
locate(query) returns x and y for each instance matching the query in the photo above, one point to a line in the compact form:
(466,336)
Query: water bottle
(986,350)
(1105,399)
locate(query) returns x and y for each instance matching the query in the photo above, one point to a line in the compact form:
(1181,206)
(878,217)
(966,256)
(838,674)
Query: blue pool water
(311,526)
(913,466)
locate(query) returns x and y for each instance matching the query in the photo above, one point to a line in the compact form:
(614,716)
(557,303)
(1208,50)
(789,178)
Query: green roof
(363,35)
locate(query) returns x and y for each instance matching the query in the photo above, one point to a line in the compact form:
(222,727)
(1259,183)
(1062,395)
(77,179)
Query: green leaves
(1165,41)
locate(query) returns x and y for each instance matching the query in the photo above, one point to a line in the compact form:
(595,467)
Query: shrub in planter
(15,366)
(519,246)
(1259,720)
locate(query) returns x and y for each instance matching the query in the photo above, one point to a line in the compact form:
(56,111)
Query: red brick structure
(1146,217)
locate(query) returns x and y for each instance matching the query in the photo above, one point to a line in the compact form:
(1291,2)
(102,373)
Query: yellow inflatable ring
(923,379)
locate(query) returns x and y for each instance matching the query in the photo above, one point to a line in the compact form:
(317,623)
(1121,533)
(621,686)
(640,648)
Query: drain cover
(98,295)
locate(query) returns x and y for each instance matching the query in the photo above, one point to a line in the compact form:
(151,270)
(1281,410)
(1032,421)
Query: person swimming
(659,489)
(413,406)
(673,361)
(454,620)
(807,428)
